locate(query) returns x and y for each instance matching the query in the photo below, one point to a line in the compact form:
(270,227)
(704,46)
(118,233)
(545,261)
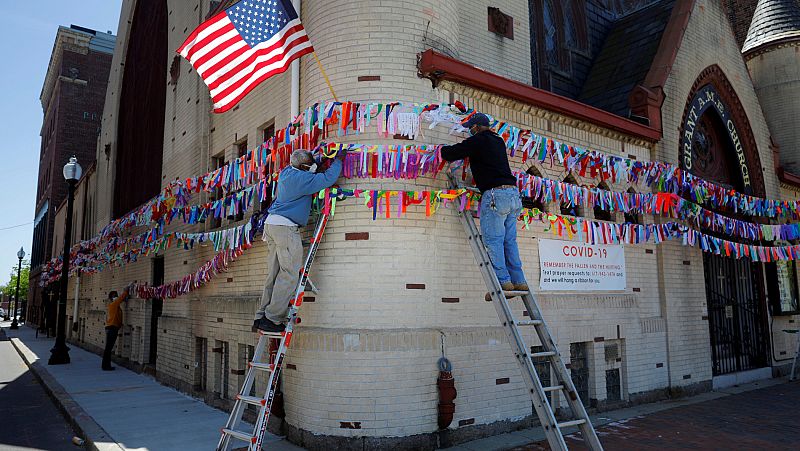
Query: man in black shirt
(500,201)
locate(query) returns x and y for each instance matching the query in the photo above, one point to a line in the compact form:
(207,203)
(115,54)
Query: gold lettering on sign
(737,144)
(703,100)
(691,122)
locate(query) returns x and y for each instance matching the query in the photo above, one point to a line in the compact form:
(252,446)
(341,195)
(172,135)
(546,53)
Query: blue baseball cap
(477,119)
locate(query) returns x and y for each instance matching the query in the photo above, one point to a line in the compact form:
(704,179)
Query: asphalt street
(28,418)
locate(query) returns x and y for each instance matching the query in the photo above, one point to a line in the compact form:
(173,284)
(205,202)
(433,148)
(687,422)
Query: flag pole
(327,80)
(295,93)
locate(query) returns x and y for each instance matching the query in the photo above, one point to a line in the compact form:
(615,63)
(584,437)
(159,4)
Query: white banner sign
(570,266)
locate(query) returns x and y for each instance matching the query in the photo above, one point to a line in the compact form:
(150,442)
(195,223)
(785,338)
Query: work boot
(521,286)
(109,368)
(507,286)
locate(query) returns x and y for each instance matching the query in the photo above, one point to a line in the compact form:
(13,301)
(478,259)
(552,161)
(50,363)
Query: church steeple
(773,21)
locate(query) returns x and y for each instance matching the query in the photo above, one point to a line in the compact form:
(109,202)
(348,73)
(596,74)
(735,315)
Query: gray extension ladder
(552,428)
(255,438)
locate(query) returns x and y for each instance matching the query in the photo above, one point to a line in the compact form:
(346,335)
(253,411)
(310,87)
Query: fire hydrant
(447,393)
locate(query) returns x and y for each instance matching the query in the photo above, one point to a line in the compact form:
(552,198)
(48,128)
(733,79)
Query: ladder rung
(243,436)
(543,354)
(271,334)
(263,366)
(529,322)
(567,424)
(553,388)
(514,293)
(252,400)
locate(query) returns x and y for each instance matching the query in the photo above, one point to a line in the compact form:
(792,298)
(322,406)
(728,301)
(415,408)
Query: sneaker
(507,286)
(521,287)
(266,325)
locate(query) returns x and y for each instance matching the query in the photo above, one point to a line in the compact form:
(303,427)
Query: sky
(27,34)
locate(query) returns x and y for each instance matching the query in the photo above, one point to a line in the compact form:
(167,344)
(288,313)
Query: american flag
(244,45)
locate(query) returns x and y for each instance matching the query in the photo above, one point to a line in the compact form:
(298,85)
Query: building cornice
(464,78)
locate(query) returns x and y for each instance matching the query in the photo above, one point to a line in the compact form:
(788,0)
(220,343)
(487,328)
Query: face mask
(471,132)
(313,168)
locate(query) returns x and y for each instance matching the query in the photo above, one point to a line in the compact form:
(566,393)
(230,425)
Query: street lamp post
(14,324)
(60,353)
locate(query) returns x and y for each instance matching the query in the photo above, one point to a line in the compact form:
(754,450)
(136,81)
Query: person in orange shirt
(113,324)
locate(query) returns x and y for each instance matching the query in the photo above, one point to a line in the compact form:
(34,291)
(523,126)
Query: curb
(81,421)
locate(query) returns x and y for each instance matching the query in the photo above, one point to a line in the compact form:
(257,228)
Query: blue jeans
(500,209)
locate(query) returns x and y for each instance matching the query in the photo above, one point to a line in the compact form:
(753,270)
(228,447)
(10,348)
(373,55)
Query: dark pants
(111,339)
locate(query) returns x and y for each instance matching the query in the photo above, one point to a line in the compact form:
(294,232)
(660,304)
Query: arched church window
(550,37)
(575,36)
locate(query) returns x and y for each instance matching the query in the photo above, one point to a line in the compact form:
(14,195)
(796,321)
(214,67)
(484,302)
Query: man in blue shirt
(297,183)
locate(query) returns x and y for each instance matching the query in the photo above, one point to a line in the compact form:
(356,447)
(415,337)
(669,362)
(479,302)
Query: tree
(11,287)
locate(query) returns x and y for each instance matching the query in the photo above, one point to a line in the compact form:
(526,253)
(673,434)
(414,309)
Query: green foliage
(10,288)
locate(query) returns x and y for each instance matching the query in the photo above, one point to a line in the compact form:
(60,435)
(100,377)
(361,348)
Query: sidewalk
(660,419)
(122,410)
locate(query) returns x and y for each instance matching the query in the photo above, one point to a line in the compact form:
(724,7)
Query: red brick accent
(415,286)
(451,300)
(501,381)
(356,236)
(466,422)
(369,78)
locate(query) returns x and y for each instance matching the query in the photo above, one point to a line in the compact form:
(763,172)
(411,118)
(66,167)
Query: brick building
(72,102)
(620,77)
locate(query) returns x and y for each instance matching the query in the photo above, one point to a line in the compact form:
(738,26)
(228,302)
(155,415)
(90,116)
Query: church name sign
(707,97)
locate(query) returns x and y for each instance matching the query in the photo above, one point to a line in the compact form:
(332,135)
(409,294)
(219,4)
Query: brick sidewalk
(765,419)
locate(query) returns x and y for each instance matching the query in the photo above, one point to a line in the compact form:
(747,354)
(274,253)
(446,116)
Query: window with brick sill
(529,202)
(221,369)
(565,207)
(200,364)
(599,213)
(216,163)
(245,356)
(782,285)
(633,217)
(267,132)
(579,369)
(241,150)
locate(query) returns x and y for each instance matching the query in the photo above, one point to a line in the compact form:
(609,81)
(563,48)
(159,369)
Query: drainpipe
(295,100)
